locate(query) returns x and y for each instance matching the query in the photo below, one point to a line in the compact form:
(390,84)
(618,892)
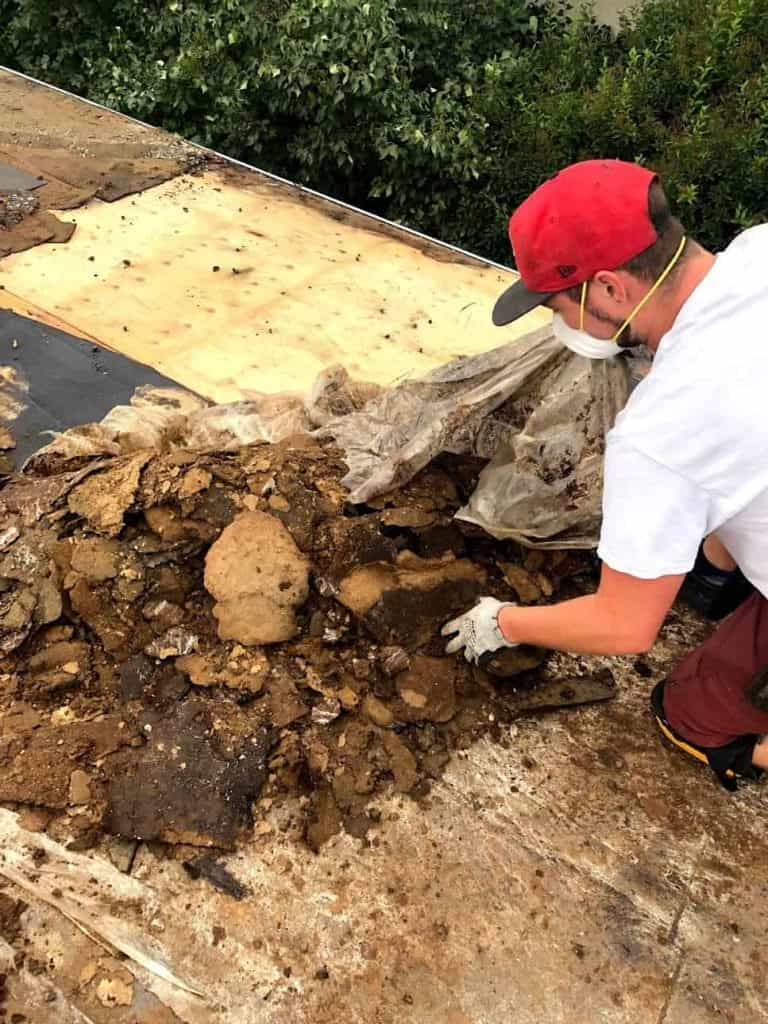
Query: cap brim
(515,302)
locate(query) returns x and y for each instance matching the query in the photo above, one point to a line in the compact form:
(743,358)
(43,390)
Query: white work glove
(477,630)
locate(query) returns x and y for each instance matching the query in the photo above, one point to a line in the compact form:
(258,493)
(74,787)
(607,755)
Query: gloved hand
(477,630)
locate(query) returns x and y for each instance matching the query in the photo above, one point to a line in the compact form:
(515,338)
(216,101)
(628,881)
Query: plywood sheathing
(80,151)
(71,180)
(231,283)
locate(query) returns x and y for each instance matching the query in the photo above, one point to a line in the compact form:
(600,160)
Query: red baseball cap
(591,216)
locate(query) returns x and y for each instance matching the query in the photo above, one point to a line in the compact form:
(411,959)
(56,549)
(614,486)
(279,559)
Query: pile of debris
(188,637)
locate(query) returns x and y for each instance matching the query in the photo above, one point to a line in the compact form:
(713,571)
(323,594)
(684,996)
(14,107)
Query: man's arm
(623,617)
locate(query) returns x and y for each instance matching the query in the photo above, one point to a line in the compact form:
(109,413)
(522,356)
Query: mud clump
(259,578)
(192,638)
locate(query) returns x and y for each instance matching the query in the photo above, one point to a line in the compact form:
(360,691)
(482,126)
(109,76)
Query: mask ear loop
(657,285)
(582,305)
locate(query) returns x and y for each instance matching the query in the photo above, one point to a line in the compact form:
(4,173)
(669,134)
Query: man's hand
(477,630)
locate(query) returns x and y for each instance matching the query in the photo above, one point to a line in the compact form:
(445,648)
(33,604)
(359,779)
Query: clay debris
(193,637)
(259,578)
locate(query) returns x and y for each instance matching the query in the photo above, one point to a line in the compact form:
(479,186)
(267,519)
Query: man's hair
(652,262)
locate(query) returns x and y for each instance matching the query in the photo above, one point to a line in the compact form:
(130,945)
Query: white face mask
(581,343)
(584,344)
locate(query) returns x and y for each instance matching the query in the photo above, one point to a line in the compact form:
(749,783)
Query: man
(687,458)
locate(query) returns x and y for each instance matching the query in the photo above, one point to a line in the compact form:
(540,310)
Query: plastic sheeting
(538,413)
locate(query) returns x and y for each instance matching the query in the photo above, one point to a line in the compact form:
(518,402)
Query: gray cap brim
(515,302)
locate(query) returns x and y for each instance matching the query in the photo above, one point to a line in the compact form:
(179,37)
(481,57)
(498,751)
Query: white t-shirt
(688,455)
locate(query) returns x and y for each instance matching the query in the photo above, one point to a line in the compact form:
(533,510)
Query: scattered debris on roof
(192,635)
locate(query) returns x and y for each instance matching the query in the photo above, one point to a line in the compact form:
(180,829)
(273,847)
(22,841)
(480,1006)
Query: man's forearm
(586,625)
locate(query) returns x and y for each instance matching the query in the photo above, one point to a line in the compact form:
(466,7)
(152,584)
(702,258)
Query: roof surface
(229,280)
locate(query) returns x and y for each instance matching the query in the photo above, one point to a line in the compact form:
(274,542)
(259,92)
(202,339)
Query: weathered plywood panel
(296,288)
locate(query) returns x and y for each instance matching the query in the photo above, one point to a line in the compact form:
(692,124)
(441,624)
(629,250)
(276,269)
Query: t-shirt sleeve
(653,518)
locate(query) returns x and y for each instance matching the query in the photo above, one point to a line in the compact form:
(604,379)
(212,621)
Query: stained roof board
(302,282)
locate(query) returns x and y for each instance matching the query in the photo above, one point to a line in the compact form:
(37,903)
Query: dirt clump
(406,603)
(192,637)
(259,578)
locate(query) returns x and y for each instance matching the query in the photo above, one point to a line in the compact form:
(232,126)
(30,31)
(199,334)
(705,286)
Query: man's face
(604,313)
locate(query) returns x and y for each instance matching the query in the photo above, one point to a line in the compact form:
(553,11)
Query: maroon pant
(704,698)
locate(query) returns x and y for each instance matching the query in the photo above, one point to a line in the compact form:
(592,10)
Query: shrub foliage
(437,113)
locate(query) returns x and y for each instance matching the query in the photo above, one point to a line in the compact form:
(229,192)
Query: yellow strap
(659,281)
(582,305)
(667,271)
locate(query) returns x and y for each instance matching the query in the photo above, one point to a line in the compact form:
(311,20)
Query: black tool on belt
(714,592)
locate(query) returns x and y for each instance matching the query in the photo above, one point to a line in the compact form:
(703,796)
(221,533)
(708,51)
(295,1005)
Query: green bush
(437,113)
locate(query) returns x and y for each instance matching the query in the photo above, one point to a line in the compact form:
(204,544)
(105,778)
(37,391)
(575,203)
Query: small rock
(163,612)
(53,634)
(348,697)
(195,480)
(361,669)
(121,852)
(171,526)
(523,582)
(96,558)
(35,819)
(394,660)
(200,670)
(79,787)
(511,661)
(545,583)
(175,642)
(326,711)
(8,536)
(49,606)
(285,704)
(402,763)
(413,698)
(406,604)
(129,590)
(410,518)
(71,657)
(535,559)
(377,712)
(103,498)
(316,624)
(278,503)
(114,992)
(434,763)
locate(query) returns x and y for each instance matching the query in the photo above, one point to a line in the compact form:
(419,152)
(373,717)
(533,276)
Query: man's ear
(612,285)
